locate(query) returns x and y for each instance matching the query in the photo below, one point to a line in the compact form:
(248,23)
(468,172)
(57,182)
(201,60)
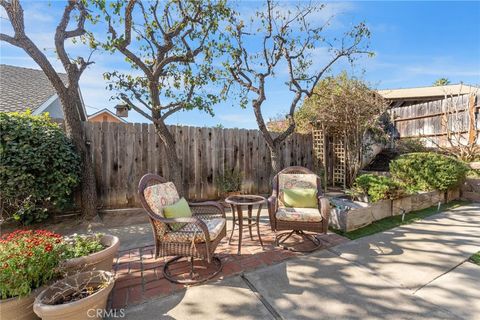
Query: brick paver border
(140,276)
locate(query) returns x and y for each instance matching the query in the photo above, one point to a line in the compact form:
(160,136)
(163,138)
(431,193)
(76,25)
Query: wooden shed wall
(428,120)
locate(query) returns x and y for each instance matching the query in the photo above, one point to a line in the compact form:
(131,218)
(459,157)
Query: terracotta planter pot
(91,307)
(102,260)
(19,308)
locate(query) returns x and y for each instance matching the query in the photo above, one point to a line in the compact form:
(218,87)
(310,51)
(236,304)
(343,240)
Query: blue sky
(415,43)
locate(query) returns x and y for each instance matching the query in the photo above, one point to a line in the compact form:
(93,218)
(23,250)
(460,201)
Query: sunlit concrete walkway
(419,271)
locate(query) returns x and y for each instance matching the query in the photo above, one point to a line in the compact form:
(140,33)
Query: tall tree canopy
(441,82)
(171,47)
(68,93)
(347,108)
(286,40)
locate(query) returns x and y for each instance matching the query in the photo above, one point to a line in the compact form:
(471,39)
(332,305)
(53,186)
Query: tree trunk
(73,127)
(69,96)
(172,158)
(272,144)
(167,139)
(275,160)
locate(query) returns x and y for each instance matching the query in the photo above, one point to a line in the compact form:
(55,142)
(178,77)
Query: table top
(245,199)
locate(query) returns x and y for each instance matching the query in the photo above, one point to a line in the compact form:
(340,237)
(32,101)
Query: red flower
(48,248)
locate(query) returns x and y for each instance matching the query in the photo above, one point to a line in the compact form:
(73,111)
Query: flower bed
(419,181)
(29,259)
(348,219)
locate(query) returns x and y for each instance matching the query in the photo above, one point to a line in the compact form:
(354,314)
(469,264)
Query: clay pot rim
(114,243)
(54,308)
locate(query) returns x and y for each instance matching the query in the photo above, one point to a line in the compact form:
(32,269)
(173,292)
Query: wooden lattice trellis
(339,168)
(330,157)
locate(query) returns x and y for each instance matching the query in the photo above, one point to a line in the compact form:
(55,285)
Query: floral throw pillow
(160,195)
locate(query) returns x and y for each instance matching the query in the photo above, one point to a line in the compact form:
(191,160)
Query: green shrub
(410,145)
(229,181)
(77,246)
(376,187)
(425,171)
(38,166)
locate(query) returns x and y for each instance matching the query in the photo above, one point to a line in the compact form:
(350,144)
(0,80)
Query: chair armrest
(189,220)
(206,208)
(324,207)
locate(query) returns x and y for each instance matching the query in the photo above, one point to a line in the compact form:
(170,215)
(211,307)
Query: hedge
(39,167)
(424,171)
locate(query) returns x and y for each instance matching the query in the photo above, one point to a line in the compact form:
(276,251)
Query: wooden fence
(123,153)
(433,120)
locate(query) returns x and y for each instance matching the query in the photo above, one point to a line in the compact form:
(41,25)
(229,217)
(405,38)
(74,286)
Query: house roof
(427,93)
(24,88)
(105,110)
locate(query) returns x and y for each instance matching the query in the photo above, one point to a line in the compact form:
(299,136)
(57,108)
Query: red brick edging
(140,277)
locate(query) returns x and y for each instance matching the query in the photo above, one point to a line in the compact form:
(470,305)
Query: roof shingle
(24,88)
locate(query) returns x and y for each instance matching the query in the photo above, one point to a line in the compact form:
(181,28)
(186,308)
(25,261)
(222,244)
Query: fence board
(122,153)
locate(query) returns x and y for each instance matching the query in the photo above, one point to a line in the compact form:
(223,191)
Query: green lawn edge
(476,258)
(395,221)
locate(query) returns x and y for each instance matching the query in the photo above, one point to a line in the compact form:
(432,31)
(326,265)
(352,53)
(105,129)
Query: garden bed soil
(78,295)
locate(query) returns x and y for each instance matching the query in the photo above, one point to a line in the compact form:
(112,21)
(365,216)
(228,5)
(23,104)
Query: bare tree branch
(68,94)
(171,111)
(136,108)
(11,40)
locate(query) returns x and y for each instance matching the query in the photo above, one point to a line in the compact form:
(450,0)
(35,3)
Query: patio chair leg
(310,237)
(282,237)
(217,263)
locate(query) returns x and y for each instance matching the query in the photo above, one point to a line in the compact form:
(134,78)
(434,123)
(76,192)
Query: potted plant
(89,252)
(78,297)
(29,259)
(229,183)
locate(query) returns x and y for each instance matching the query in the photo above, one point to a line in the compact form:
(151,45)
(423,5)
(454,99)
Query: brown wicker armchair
(199,235)
(297,220)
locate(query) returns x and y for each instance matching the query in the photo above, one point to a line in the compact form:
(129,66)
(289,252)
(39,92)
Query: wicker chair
(197,236)
(297,220)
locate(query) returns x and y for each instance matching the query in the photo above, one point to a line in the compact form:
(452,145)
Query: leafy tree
(344,107)
(441,82)
(171,47)
(68,93)
(285,39)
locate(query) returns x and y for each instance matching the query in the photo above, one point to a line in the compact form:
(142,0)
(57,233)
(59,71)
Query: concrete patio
(418,271)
